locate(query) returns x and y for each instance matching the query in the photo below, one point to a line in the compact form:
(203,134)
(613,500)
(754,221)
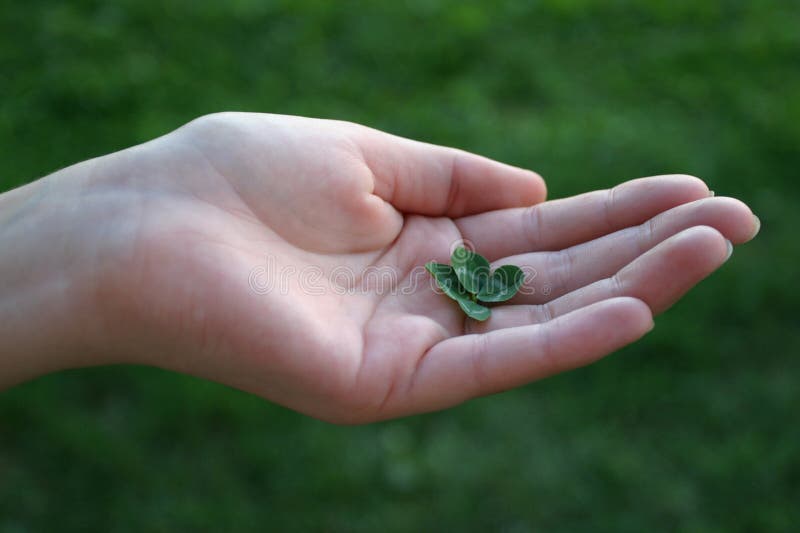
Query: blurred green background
(696,428)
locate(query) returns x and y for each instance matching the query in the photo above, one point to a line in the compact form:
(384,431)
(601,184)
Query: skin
(148,255)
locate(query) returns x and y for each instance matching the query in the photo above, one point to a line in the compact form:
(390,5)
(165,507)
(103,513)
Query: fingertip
(527,186)
(540,187)
(735,219)
(630,315)
(672,189)
(746,224)
(729,253)
(693,186)
(587,334)
(703,239)
(756,227)
(699,250)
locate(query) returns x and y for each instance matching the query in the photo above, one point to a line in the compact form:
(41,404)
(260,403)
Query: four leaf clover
(469,281)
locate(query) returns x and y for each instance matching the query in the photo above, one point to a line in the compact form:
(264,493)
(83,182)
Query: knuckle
(560,267)
(478,360)
(533,222)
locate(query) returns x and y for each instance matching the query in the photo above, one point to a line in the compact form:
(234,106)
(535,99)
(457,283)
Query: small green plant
(469,281)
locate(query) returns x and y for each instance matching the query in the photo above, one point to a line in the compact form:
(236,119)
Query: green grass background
(696,428)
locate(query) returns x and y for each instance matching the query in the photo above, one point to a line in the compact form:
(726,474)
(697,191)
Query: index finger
(559,224)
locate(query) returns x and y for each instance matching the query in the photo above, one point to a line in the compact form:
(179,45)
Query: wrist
(48,320)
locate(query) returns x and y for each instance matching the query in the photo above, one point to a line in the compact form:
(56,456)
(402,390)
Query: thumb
(427,179)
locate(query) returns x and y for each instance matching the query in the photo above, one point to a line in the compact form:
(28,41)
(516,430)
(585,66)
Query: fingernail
(757,226)
(730,249)
(711,193)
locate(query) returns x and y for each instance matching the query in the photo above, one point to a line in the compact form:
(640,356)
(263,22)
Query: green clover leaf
(447,280)
(503,284)
(472,269)
(469,281)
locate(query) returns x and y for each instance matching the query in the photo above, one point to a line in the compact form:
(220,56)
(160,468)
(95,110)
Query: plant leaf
(472,269)
(475,310)
(502,285)
(447,280)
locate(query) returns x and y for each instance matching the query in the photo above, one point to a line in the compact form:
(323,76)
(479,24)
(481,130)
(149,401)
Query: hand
(171,232)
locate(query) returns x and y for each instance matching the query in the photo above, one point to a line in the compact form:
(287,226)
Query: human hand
(171,232)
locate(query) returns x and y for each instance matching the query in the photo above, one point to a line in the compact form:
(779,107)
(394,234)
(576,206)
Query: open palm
(282,255)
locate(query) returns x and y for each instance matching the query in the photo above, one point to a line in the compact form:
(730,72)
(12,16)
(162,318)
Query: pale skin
(145,256)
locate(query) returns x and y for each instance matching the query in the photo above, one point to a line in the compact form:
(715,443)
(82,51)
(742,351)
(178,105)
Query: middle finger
(553,274)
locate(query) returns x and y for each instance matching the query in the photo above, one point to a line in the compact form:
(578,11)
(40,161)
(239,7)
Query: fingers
(475,365)
(659,278)
(432,180)
(557,224)
(558,273)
